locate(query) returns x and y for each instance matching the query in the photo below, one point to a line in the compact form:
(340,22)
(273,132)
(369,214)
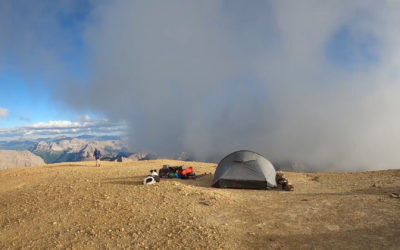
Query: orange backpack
(185,173)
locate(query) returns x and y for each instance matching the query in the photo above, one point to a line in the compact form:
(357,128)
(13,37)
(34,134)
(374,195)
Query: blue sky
(28,104)
(27,90)
(291,79)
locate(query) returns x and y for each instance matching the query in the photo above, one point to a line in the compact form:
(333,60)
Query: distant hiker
(97,156)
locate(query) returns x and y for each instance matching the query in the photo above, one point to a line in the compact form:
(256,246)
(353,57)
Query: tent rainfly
(245,169)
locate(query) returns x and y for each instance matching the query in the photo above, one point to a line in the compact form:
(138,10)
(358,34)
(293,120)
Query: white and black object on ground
(151,178)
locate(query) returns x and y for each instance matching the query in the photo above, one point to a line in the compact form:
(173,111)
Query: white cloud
(67,128)
(56,124)
(3,112)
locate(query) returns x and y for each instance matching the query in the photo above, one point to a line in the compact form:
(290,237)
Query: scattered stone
(260,225)
(315,178)
(395,195)
(206,203)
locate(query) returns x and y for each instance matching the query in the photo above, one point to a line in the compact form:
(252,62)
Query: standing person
(97,156)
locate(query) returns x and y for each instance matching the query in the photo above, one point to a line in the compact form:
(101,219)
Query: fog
(303,81)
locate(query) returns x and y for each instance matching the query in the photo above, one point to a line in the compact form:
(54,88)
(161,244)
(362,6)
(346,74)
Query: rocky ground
(79,206)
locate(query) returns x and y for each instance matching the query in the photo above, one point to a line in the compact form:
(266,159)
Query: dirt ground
(79,206)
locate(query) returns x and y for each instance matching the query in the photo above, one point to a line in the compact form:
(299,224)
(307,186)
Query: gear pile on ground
(177,172)
(283,182)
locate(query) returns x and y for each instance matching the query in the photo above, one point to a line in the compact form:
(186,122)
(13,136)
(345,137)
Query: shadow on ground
(202,181)
(365,191)
(379,237)
(69,165)
(133,180)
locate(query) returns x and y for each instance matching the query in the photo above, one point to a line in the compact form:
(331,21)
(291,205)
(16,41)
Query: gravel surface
(79,206)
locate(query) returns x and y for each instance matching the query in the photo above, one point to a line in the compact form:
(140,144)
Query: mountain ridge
(77,149)
(17,159)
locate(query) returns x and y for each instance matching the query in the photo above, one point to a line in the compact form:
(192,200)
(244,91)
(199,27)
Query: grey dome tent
(245,169)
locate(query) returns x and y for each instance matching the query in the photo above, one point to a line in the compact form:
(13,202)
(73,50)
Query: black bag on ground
(167,172)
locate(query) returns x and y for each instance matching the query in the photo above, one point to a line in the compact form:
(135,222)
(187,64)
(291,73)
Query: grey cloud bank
(212,77)
(305,81)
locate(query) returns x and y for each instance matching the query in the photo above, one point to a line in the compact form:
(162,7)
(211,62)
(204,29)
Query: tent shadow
(207,180)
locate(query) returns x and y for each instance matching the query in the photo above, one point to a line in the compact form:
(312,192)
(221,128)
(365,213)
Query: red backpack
(185,173)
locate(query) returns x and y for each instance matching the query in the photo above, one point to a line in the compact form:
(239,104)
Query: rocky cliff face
(77,149)
(16,159)
(68,149)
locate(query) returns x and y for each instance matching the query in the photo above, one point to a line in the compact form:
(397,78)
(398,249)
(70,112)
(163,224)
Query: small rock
(206,203)
(395,195)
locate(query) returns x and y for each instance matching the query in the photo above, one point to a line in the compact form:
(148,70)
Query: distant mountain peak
(77,149)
